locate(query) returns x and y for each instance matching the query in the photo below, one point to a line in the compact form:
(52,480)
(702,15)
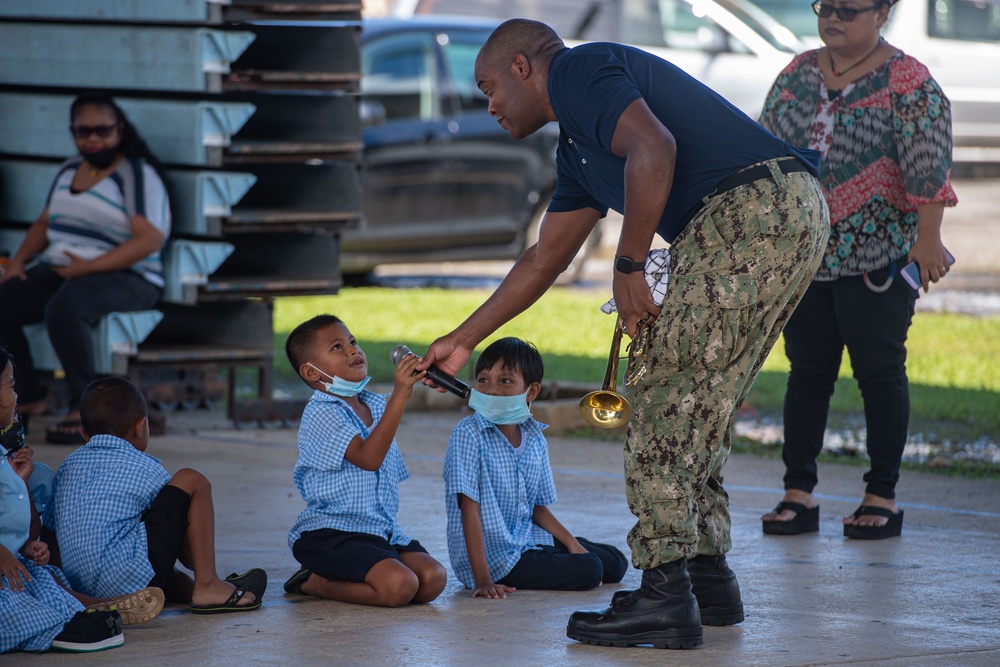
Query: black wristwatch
(625,264)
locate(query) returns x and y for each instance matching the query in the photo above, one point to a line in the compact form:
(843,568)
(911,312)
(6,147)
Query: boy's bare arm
(475,545)
(546,520)
(369,453)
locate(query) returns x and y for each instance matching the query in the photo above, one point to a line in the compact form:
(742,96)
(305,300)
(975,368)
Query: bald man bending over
(747,225)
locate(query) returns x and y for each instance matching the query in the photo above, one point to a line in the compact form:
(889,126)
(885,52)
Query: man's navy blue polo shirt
(589,88)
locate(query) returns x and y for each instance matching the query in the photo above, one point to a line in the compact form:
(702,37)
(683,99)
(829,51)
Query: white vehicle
(730,45)
(958,41)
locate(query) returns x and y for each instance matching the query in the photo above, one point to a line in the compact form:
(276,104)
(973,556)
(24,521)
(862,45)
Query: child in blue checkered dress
(347,539)
(501,535)
(121,521)
(37,609)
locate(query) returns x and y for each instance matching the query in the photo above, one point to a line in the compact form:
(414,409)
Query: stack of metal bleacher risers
(252,107)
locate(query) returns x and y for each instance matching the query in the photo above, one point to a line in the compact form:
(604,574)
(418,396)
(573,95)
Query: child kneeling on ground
(347,539)
(121,521)
(501,535)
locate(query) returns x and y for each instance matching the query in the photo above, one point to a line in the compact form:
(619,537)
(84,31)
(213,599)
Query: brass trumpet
(607,408)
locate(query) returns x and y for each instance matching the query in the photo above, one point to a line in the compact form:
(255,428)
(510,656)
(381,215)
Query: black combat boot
(714,585)
(662,612)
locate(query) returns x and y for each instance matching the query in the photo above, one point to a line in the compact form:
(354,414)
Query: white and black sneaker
(90,630)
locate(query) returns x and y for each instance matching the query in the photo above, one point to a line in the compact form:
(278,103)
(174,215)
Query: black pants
(70,309)
(873,327)
(555,569)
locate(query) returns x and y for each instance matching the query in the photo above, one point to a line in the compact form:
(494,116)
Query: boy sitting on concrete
(122,522)
(498,483)
(347,539)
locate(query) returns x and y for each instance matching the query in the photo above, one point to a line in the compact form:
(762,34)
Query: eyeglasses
(84,131)
(846,14)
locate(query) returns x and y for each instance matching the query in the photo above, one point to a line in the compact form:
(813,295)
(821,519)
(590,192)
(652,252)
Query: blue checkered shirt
(32,618)
(99,495)
(481,464)
(339,494)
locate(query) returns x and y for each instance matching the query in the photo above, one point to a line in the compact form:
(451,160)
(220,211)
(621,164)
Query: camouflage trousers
(737,271)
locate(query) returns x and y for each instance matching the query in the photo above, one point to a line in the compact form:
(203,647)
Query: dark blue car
(442,180)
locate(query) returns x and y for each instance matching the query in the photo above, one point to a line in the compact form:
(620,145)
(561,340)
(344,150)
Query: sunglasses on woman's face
(845,14)
(84,131)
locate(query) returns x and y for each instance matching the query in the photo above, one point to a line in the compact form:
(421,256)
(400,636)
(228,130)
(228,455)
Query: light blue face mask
(342,387)
(501,409)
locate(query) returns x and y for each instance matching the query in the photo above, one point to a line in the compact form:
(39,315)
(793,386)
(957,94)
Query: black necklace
(840,73)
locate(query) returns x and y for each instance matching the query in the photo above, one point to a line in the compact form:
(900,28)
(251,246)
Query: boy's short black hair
(515,354)
(111,406)
(303,337)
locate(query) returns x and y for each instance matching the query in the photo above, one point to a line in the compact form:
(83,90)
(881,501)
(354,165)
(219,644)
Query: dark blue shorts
(339,555)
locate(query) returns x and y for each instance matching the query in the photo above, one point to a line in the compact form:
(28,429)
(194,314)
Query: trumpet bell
(605,409)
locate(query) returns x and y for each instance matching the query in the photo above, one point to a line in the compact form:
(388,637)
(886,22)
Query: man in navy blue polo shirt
(746,223)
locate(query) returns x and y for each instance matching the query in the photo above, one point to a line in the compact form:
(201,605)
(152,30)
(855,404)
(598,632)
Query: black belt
(757,172)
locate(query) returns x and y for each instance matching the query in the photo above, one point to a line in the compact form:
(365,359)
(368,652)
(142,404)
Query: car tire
(575,269)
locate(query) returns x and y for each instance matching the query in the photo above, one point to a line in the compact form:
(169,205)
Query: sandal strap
(798,508)
(872,510)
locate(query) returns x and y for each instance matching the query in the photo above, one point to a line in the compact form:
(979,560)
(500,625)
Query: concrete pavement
(929,598)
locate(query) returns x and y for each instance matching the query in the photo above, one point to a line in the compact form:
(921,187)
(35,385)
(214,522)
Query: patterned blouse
(886,144)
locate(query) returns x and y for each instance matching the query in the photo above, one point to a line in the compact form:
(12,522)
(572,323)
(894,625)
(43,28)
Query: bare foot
(218,593)
(312,585)
(791,496)
(872,519)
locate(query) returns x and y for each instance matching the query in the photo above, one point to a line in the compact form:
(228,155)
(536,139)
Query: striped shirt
(99,496)
(339,494)
(95,221)
(481,464)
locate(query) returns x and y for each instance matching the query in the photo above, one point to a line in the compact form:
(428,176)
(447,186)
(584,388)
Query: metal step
(198,199)
(197,11)
(116,338)
(176,131)
(135,57)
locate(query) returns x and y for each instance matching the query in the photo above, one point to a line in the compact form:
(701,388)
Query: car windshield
(767,26)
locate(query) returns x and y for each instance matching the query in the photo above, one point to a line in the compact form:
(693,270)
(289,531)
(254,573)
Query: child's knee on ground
(431,575)
(395,584)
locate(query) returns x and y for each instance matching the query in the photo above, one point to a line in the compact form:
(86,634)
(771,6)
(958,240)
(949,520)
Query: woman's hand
(928,251)
(76,268)
(931,258)
(14,270)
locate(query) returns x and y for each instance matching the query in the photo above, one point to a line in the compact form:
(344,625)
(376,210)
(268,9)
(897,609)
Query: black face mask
(12,437)
(101,159)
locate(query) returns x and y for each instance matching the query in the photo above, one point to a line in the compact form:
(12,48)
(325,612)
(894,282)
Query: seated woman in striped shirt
(94,249)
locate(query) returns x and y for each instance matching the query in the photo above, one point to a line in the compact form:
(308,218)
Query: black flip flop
(230,605)
(294,583)
(806,520)
(253,580)
(892,528)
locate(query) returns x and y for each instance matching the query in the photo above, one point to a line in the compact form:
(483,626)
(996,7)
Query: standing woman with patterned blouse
(884,128)
(94,249)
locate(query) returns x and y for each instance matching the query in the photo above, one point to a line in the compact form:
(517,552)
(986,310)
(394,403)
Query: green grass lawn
(953,359)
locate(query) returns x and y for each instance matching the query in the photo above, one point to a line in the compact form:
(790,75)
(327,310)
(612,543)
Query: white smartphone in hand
(911,272)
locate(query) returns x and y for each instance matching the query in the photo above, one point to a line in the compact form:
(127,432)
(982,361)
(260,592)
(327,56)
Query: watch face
(626,265)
